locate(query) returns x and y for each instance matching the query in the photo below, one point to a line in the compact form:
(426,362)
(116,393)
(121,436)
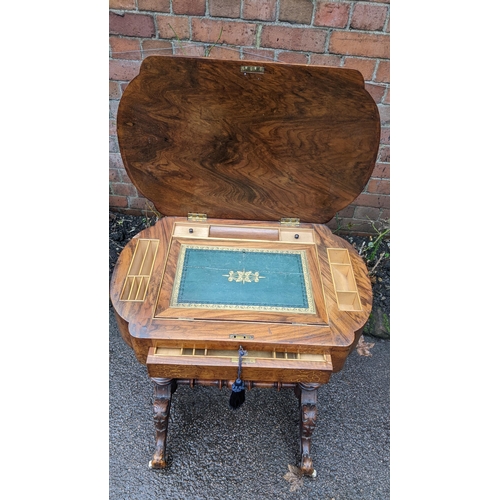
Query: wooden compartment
(289,234)
(264,366)
(349,301)
(233,354)
(183,229)
(343,280)
(338,256)
(244,233)
(141,266)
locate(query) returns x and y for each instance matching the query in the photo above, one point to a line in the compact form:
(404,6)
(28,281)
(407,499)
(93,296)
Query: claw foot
(306,466)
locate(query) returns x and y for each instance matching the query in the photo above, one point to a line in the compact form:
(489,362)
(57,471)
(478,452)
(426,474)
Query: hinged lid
(247,140)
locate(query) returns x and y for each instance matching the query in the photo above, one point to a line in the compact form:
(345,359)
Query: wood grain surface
(201,135)
(335,334)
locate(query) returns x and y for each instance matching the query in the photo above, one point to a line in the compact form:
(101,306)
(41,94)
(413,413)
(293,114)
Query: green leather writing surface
(245,279)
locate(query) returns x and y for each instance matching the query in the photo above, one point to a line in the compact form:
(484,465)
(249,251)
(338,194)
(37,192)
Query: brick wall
(350,34)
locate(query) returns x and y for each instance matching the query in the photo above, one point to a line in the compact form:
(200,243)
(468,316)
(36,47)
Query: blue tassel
(238,389)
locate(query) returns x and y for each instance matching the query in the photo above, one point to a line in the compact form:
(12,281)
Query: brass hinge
(197,217)
(290,221)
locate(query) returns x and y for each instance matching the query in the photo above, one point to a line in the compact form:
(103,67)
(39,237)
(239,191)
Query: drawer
(258,366)
(296,235)
(191,230)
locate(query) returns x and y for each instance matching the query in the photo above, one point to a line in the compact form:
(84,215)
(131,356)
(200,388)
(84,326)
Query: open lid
(247,140)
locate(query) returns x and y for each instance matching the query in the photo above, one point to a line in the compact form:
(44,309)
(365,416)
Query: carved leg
(163,390)
(308,413)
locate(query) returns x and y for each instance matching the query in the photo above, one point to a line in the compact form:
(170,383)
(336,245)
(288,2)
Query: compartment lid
(247,140)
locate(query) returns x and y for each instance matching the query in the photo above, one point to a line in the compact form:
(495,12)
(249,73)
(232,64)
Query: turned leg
(307,395)
(163,390)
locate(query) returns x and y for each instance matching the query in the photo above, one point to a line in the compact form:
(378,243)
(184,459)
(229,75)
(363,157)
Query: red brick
(347,211)
(368,17)
(233,33)
(296,11)
(384,154)
(263,10)
(364,66)
(379,186)
(224,8)
(223,53)
(332,14)
(123,189)
(124,176)
(125,48)
(173,27)
(258,54)
(140,203)
(189,7)
(359,44)
(112,127)
(114,175)
(154,5)
(300,39)
(123,70)
(187,49)
(325,60)
(385,135)
(385,215)
(156,48)
(118,201)
(123,86)
(372,200)
(122,4)
(292,57)
(383,72)
(376,91)
(115,91)
(387,97)
(113,108)
(113,144)
(360,227)
(115,161)
(384,112)
(367,213)
(140,25)
(382,170)
(388,27)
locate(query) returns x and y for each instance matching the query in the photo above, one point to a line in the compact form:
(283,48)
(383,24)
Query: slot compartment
(219,364)
(233,354)
(139,273)
(349,301)
(344,280)
(338,256)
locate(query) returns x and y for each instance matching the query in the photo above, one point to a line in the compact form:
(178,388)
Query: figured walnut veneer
(200,135)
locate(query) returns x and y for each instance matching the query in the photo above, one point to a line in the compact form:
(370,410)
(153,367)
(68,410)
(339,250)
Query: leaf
(294,477)
(363,347)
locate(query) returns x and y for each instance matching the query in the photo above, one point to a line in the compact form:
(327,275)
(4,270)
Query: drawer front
(257,366)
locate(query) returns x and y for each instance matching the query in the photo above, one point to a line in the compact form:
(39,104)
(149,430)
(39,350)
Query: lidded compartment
(247,140)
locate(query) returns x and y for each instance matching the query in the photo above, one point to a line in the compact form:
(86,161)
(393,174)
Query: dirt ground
(375,251)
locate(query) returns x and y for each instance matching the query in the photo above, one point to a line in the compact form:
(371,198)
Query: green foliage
(386,322)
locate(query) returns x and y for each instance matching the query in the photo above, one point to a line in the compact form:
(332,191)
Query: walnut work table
(242,146)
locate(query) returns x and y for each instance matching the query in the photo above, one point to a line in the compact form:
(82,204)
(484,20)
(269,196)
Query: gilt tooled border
(311,309)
